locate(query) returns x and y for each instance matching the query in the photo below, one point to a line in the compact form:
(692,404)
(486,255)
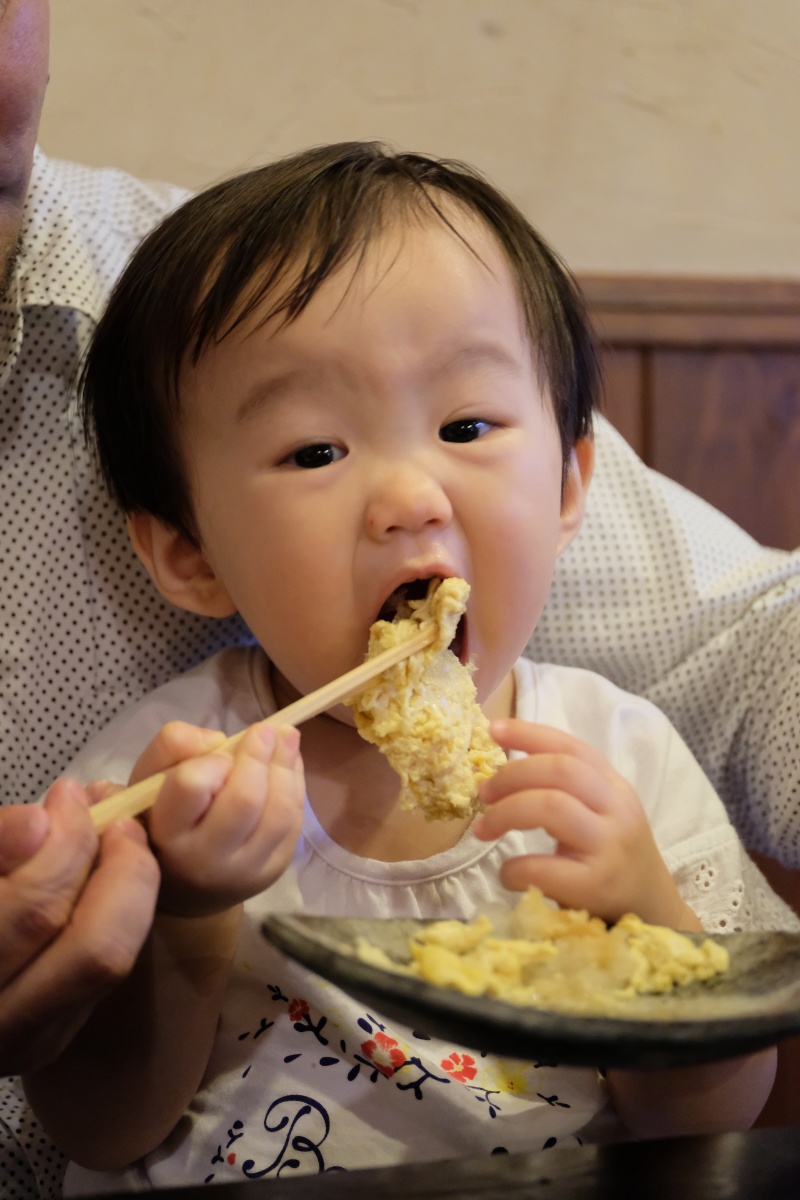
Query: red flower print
(384,1054)
(297,1009)
(460,1066)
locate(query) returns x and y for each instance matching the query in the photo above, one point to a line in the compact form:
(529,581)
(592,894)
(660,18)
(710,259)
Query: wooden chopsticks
(140,796)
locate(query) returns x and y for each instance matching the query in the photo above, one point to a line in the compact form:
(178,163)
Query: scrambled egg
(423,713)
(556,958)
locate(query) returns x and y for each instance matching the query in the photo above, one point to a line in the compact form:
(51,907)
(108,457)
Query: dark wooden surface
(761,1165)
(685,311)
(702,378)
(726,424)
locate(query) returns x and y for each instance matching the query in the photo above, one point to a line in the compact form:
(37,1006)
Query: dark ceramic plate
(756,1003)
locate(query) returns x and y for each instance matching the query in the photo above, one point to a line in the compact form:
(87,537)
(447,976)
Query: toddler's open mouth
(396,607)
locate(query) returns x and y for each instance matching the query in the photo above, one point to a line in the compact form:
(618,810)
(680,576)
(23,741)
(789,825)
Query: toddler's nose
(406,499)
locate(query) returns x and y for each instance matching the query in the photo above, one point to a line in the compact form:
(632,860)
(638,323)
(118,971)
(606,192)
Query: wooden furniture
(763,1164)
(702,377)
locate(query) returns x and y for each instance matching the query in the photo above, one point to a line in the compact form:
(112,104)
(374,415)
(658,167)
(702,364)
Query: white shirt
(303,1078)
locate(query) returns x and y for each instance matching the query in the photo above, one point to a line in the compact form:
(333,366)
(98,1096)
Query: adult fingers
(45,1004)
(37,898)
(23,829)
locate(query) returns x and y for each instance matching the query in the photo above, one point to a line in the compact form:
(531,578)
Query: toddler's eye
(320,454)
(467,430)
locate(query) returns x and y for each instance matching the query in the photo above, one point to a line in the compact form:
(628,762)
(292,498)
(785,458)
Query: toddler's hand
(224,826)
(606,859)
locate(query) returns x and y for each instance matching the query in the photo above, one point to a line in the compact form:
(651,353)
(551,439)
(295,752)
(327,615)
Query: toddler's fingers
(562,879)
(259,803)
(571,882)
(557,772)
(237,810)
(514,734)
(186,796)
(283,813)
(287,747)
(287,784)
(174,743)
(569,822)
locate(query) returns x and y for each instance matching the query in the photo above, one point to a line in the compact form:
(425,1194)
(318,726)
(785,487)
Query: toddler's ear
(576,487)
(178,568)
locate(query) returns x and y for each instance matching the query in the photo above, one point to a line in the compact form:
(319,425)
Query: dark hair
(271,237)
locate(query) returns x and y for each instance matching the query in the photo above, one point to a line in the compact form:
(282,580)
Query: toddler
(345,373)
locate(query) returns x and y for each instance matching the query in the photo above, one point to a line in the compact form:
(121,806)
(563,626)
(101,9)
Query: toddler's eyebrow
(268,391)
(477,354)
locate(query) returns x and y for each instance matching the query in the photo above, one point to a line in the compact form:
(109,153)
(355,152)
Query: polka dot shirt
(84,630)
(30,1166)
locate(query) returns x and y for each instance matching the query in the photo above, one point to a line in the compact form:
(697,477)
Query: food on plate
(556,958)
(423,713)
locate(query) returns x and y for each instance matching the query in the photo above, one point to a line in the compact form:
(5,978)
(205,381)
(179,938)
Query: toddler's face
(396,430)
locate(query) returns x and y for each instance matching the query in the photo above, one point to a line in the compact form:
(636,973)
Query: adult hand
(76,909)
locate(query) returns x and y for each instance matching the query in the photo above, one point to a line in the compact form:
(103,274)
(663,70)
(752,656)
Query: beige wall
(639,135)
